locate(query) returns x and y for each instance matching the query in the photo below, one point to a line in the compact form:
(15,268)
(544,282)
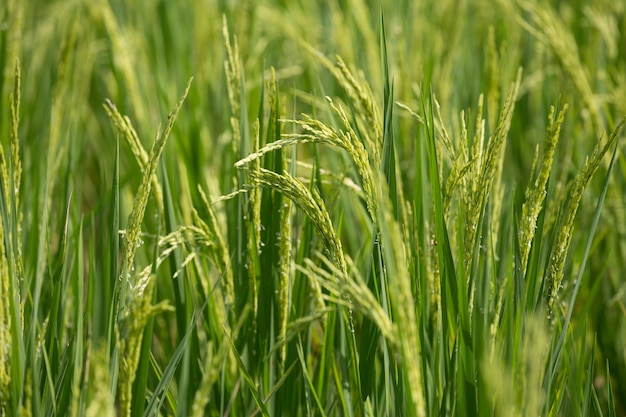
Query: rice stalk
(472,152)
(361,95)
(315,131)
(254,213)
(234,75)
(487,161)
(134,291)
(284,272)
(563,238)
(223,257)
(135,218)
(14,145)
(402,303)
(138,311)
(10,173)
(460,164)
(360,296)
(198,236)
(202,237)
(536,190)
(125,128)
(308,201)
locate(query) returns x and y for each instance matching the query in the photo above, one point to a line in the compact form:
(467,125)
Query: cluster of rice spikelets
(11,310)
(536,191)
(365,151)
(134,290)
(478,184)
(566,224)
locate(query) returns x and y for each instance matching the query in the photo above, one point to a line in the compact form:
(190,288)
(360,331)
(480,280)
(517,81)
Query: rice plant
(337,208)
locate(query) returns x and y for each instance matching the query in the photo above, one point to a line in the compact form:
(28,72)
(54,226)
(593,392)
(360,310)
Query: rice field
(329,208)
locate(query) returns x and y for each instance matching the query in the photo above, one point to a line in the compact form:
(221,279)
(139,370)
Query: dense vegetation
(312,208)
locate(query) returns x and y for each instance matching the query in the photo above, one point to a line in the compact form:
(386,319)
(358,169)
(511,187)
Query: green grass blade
(160,392)
(609,388)
(388,157)
(309,388)
(256,395)
(108,299)
(79,348)
(587,396)
(449,287)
